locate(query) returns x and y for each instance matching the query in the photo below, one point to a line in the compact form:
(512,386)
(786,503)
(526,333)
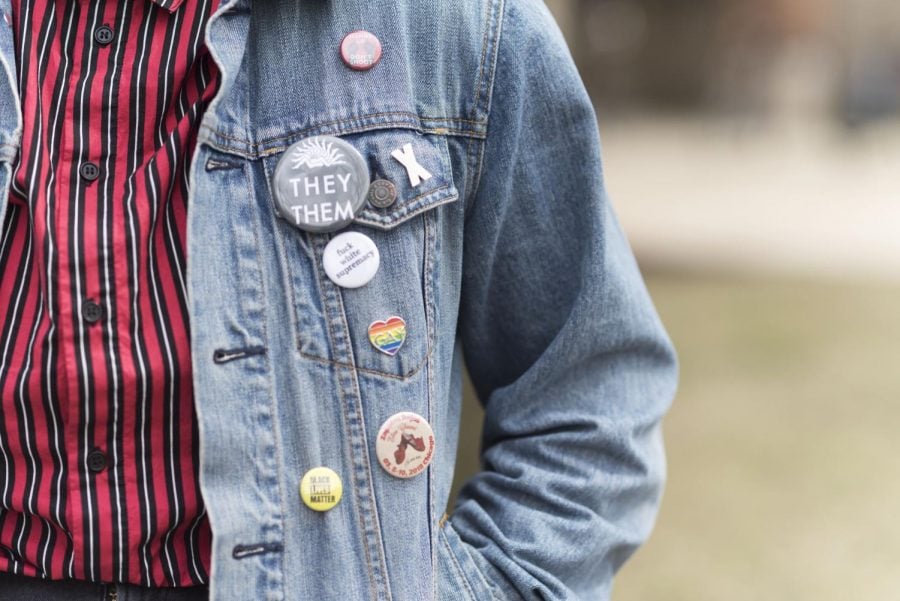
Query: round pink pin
(360,50)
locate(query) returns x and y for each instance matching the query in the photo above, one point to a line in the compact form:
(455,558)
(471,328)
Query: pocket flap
(418,165)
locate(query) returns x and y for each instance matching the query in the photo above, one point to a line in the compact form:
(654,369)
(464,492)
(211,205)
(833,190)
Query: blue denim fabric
(509,260)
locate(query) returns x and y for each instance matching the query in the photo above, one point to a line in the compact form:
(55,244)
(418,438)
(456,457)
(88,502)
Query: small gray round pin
(320,184)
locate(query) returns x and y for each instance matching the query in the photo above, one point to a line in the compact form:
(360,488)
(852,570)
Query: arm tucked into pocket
(561,339)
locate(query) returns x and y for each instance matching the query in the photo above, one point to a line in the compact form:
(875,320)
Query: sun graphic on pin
(317,153)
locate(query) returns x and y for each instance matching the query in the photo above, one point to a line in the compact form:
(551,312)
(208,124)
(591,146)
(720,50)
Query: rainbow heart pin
(388,336)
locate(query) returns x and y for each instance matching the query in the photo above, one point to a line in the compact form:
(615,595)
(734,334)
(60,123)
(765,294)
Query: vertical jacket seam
(338,302)
(357,400)
(428,295)
(273,399)
(317,242)
(485,42)
(486,88)
(461,576)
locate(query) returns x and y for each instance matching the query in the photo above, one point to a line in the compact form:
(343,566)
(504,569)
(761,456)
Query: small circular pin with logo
(321,489)
(405,444)
(320,184)
(360,50)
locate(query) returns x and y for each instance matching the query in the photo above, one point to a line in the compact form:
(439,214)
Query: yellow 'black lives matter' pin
(321,489)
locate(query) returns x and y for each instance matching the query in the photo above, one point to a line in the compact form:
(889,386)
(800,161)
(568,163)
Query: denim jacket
(508,260)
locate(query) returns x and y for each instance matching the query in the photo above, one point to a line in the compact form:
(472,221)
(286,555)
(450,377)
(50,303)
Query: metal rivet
(382,193)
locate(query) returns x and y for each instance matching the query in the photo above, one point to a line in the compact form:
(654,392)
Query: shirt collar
(169,5)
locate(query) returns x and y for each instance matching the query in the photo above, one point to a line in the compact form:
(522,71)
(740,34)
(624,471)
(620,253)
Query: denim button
(104,35)
(382,193)
(320,184)
(96,461)
(91,311)
(321,489)
(89,171)
(405,444)
(360,50)
(351,260)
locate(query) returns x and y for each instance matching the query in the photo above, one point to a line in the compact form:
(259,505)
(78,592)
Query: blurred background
(752,151)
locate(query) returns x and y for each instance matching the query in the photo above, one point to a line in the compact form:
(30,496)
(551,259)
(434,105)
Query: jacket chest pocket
(384,328)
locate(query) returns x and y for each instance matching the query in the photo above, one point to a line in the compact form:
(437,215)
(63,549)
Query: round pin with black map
(320,184)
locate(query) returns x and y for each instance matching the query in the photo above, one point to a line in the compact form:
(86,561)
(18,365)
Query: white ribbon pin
(417,173)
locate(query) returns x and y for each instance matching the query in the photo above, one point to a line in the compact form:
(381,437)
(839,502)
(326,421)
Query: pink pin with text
(360,50)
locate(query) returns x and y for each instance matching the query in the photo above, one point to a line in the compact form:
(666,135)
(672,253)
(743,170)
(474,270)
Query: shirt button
(96,461)
(103,35)
(89,171)
(91,311)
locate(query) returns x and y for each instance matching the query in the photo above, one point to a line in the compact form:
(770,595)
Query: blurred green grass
(784,476)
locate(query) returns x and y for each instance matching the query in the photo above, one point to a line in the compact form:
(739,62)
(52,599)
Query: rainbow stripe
(388,336)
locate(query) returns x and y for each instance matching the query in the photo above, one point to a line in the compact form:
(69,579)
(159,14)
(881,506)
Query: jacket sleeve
(562,342)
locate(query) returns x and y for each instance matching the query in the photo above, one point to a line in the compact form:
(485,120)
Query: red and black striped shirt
(98,437)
